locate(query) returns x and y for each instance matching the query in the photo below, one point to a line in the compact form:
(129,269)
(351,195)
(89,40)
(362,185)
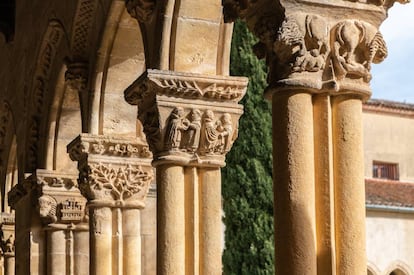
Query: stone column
(319,55)
(190,121)
(115,176)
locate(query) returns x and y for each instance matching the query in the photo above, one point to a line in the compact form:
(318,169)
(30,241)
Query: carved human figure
(226,130)
(47,209)
(194,130)
(209,133)
(177,123)
(9,244)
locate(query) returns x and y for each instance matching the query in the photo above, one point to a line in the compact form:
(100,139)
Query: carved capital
(317,45)
(7,222)
(142,10)
(112,171)
(188,118)
(21,190)
(58,199)
(76,75)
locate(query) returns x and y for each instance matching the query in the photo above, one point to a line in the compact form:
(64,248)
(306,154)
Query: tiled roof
(389,193)
(389,107)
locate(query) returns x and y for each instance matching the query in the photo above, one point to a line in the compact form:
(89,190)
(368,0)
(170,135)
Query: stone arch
(399,268)
(8,155)
(64,125)
(50,56)
(166,25)
(120,59)
(372,269)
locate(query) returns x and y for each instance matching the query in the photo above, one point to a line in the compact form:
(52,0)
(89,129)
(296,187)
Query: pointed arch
(399,268)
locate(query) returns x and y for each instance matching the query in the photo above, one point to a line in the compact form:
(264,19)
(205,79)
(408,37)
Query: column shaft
(192,223)
(325,229)
(349,186)
(9,264)
(294,191)
(131,219)
(101,241)
(81,252)
(210,222)
(170,220)
(56,256)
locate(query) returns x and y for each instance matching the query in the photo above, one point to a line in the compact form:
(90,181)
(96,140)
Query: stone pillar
(114,175)
(319,55)
(190,121)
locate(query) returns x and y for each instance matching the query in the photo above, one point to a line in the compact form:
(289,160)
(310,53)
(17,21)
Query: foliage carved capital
(188,119)
(114,172)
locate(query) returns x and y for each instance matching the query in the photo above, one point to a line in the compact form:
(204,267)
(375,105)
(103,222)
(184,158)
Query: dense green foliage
(247,178)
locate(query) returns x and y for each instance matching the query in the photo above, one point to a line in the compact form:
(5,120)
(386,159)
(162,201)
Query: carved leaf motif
(119,183)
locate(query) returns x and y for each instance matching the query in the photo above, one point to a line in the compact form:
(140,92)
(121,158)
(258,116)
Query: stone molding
(47,54)
(113,172)
(319,47)
(189,119)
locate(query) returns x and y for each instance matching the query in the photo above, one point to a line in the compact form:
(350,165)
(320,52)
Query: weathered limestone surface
(67,75)
(319,55)
(190,121)
(115,176)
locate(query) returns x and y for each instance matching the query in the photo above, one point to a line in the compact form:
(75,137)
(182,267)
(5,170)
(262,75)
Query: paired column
(191,122)
(319,61)
(114,175)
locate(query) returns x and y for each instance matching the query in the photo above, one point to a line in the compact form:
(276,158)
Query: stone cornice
(113,172)
(186,85)
(105,146)
(389,108)
(189,119)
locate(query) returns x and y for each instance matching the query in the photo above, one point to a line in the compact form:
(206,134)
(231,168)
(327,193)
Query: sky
(393,79)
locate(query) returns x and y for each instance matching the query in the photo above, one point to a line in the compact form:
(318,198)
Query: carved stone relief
(186,117)
(7,233)
(59,200)
(51,41)
(100,181)
(356,45)
(112,171)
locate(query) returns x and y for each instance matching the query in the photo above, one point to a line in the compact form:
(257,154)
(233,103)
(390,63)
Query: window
(385,170)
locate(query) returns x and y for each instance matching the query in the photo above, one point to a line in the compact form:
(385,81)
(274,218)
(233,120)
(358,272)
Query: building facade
(389,173)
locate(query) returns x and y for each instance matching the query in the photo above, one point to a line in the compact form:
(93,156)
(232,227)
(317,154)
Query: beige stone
(66,78)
